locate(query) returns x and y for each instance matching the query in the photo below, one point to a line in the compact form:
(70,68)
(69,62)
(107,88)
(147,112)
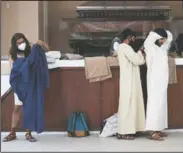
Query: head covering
(162,32)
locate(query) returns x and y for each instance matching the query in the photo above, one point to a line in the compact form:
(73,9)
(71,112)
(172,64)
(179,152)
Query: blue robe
(29,78)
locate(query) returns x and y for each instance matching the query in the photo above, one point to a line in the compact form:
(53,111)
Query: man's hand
(142,50)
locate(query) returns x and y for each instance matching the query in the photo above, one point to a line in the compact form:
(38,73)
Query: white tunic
(157,82)
(131,104)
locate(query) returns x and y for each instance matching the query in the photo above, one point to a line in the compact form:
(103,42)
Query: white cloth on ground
(110,127)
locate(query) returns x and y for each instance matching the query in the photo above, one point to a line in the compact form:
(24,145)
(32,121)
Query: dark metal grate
(127,14)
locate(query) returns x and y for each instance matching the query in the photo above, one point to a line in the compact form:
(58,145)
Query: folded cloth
(172,70)
(50,60)
(73,56)
(112,61)
(98,68)
(53,54)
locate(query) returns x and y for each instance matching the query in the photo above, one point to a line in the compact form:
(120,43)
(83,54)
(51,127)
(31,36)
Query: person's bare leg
(15,118)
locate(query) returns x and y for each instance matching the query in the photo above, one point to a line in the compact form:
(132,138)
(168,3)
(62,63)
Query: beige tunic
(131,105)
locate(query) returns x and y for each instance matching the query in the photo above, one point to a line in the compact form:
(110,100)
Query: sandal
(125,137)
(30,138)
(155,136)
(162,134)
(10,137)
(138,134)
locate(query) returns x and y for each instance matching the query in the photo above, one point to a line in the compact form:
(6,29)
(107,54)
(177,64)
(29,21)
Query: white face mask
(22,46)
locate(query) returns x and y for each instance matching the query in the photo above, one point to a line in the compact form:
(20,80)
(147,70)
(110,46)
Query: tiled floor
(60,142)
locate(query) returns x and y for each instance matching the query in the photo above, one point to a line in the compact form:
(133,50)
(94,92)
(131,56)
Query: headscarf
(162,32)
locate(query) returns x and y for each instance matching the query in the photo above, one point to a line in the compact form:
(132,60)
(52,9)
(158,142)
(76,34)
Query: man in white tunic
(156,46)
(131,105)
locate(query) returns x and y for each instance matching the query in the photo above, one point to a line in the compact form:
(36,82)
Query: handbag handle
(82,119)
(74,121)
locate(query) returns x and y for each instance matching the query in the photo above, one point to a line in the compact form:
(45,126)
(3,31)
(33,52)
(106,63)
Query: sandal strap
(162,134)
(29,137)
(10,137)
(126,137)
(156,136)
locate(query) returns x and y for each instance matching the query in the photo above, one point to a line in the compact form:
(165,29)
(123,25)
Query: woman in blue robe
(20,48)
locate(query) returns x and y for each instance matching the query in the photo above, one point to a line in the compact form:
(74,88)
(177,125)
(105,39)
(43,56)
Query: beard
(136,45)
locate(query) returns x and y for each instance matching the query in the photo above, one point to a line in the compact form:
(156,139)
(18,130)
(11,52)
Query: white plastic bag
(110,128)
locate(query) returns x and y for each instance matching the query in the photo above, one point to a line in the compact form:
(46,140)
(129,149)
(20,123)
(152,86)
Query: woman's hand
(43,45)
(39,42)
